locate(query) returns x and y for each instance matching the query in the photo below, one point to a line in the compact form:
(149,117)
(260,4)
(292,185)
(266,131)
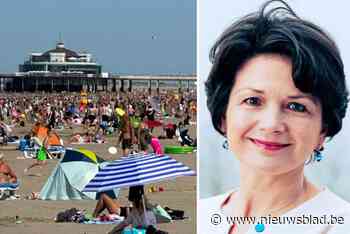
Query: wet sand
(37,216)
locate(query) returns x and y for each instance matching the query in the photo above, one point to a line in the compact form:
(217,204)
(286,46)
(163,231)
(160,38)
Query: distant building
(61,60)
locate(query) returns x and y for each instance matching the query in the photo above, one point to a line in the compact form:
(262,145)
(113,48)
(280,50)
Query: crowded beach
(55,146)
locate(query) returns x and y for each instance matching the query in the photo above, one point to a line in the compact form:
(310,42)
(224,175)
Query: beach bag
(129,230)
(67,215)
(175,214)
(161,215)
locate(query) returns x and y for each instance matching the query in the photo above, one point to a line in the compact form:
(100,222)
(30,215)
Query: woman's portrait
(274,98)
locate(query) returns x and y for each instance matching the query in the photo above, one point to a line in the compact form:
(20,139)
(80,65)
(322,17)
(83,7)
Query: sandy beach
(37,216)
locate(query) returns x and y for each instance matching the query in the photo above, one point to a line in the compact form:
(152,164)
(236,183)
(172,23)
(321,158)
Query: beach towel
(103,222)
(129,230)
(13,141)
(56,149)
(5,187)
(9,186)
(87,143)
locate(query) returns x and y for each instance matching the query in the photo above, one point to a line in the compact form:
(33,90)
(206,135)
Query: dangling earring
(225,144)
(318,155)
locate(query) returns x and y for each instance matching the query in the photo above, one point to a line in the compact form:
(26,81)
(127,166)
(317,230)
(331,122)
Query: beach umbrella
(137,170)
(72,173)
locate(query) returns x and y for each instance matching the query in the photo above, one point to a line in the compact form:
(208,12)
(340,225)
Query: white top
(326,203)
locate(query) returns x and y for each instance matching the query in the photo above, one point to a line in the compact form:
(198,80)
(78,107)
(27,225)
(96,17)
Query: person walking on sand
(126,134)
(41,155)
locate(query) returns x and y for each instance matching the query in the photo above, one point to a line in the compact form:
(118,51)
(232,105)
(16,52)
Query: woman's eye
(296,107)
(252,101)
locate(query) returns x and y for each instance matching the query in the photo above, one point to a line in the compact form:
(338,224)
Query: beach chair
(30,148)
(6,189)
(56,150)
(55,146)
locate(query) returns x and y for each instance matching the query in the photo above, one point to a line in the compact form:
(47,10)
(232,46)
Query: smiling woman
(276,115)
(276,91)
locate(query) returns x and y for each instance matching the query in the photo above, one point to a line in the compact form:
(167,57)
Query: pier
(55,82)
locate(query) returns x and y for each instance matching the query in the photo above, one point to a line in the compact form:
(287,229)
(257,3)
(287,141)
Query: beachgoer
(140,215)
(43,152)
(105,201)
(144,137)
(7,175)
(126,134)
(156,145)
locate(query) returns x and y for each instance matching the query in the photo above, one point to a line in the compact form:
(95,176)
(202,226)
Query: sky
(333,170)
(124,36)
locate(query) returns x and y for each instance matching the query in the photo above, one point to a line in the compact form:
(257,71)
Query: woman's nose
(272,120)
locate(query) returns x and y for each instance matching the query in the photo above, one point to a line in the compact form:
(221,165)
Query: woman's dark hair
(317,67)
(137,196)
(136,192)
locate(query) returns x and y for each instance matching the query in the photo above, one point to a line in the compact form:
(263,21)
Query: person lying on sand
(7,175)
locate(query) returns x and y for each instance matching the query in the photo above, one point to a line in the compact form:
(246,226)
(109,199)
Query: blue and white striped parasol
(137,170)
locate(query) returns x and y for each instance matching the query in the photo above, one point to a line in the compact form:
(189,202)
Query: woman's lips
(268,145)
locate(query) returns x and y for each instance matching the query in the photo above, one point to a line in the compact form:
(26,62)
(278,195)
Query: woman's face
(270,124)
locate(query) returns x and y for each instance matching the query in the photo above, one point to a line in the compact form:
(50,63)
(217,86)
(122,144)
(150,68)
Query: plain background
(218,168)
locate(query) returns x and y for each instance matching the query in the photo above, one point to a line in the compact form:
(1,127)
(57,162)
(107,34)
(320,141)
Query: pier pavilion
(56,82)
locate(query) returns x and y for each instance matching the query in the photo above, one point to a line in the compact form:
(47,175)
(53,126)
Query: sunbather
(7,175)
(106,202)
(76,138)
(99,137)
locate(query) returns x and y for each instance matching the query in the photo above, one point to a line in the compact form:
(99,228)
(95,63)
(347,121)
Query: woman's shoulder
(335,205)
(326,202)
(336,200)
(210,215)
(216,201)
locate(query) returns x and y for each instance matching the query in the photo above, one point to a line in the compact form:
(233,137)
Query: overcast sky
(126,37)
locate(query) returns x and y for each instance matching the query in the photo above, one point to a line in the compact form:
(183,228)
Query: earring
(317,155)
(225,145)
